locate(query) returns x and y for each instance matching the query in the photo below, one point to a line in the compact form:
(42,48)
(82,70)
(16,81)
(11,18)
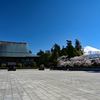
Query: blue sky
(42,23)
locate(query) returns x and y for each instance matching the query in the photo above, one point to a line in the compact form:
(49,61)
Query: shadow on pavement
(93,71)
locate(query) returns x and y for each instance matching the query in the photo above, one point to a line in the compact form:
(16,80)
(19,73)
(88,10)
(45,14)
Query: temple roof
(17,55)
(15,49)
(13,42)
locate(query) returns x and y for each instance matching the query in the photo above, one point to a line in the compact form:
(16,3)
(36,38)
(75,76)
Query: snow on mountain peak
(90,50)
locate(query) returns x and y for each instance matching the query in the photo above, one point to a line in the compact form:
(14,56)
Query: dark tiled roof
(14,49)
(17,55)
(13,42)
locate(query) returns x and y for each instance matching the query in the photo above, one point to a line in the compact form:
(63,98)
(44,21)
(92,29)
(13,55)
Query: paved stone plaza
(49,85)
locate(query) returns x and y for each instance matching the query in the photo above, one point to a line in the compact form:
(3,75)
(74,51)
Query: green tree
(41,59)
(40,52)
(47,54)
(56,54)
(47,57)
(55,48)
(71,51)
(63,51)
(54,62)
(55,51)
(78,46)
(34,64)
(19,65)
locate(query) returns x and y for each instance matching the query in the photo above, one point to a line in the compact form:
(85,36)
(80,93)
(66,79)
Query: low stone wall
(77,69)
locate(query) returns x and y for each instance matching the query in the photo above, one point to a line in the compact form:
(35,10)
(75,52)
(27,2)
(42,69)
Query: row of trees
(49,57)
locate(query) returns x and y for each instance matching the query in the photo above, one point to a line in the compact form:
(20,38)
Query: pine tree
(71,51)
(41,59)
(63,51)
(40,52)
(54,50)
(56,54)
(78,46)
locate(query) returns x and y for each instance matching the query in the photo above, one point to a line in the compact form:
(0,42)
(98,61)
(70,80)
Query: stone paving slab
(30,84)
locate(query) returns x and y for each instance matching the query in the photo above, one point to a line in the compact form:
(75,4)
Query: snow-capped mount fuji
(90,50)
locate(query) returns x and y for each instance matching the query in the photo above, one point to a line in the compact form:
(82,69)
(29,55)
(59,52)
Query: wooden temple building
(12,53)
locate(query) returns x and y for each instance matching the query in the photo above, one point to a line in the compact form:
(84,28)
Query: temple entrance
(11,66)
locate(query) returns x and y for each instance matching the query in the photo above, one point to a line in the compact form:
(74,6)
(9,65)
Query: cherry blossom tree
(83,60)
